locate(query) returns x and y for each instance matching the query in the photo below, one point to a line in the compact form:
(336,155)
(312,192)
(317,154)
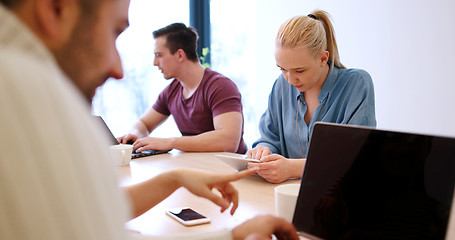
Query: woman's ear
(56,19)
(324,58)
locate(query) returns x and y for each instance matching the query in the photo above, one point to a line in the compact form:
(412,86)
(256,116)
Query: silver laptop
(114,141)
(363,183)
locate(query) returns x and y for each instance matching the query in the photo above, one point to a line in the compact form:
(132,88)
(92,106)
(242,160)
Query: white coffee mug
(286,199)
(121,154)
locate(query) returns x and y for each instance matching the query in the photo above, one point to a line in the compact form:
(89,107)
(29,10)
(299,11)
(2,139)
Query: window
(121,103)
(232,53)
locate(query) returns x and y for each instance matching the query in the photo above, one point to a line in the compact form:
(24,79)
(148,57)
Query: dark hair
(179,36)
(10,3)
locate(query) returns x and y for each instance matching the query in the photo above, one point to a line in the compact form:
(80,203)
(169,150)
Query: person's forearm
(140,129)
(298,166)
(149,193)
(212,141)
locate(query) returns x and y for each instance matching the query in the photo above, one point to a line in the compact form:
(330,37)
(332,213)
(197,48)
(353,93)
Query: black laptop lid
(362,183)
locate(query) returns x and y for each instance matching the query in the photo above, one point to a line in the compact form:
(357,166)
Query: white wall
(406,45)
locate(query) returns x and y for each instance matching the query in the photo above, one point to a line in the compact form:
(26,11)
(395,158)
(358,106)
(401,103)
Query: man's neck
(191,76)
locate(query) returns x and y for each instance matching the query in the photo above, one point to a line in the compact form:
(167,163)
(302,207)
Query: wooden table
(256,195)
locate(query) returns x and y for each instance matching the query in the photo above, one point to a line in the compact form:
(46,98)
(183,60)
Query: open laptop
(115,142)
(363,183)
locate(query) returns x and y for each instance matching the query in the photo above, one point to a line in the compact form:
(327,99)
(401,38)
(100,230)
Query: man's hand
(262,227)
(148,194)
(152,143)
(127,139)
(201,184)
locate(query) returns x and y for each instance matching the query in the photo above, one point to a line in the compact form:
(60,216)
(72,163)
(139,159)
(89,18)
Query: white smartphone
(187,216)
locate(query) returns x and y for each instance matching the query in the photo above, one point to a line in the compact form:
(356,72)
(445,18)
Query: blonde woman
(313,86)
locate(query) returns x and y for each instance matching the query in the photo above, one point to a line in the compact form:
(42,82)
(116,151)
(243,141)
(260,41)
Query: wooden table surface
(256,195)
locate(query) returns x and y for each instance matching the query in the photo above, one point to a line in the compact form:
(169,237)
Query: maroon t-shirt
(216,94)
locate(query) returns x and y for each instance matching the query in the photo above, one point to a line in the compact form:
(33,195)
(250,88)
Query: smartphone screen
(188,216)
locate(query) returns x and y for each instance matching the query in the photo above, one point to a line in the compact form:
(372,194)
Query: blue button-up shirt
(346,97)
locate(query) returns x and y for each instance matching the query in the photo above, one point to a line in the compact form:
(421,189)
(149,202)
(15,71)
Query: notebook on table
(114,141)
(363,183)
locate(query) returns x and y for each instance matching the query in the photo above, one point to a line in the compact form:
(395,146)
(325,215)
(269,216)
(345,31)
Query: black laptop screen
(370,184)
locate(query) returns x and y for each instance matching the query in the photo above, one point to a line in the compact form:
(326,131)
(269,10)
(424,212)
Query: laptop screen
(362,183)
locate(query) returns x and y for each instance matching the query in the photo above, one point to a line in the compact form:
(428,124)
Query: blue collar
(328,83)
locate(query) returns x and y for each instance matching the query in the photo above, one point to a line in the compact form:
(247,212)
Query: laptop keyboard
(147,153)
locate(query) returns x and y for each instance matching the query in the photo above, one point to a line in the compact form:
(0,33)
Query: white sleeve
(56,181)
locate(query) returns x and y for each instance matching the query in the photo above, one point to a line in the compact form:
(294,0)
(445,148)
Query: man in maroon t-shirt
(206,105)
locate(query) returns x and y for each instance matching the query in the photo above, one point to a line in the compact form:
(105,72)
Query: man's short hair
(179,36)
(10,3)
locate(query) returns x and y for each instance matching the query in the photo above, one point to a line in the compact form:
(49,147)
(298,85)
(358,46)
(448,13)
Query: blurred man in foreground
(55,175)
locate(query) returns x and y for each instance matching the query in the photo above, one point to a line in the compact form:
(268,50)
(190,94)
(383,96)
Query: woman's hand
(276,168)
(258,152)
